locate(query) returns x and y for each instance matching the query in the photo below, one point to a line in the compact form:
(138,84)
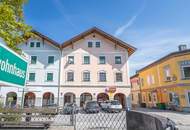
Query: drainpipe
(139,80)
(59,78)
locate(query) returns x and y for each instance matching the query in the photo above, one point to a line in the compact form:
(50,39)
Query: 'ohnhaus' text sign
(13,68)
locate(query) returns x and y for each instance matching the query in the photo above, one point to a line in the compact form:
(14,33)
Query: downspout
(59,78)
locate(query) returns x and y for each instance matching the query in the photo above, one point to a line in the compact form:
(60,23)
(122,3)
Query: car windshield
(115,103)
(69,104)
(92,104)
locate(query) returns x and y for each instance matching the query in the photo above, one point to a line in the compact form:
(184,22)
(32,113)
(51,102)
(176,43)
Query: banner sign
(13,68)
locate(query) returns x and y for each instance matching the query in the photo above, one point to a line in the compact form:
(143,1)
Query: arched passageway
(102,97)
(69,98)
(29,99)
(48,99)
(11,99)
(121,98)
(85,97)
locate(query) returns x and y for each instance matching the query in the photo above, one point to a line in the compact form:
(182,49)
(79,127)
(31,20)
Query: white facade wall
(41,68)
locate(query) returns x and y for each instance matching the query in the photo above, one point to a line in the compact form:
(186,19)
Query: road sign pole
(22,101)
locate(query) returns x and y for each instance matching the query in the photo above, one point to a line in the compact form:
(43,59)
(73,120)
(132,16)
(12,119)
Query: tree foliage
(13,29)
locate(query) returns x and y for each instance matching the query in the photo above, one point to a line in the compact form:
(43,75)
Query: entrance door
(154,97)
(188,98)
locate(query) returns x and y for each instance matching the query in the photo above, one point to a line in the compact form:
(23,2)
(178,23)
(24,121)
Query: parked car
(91,107)
(111,106)
(105,105)
(70,108)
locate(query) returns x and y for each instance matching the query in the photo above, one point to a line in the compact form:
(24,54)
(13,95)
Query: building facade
(167,81)
(135,90)
(94,66)
(91,66)
(42,83)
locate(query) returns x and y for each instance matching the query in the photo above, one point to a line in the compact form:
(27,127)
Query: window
(71,59)
(32,76)
(167,73)
(142,81)
(150,79)
(170,97)
(132,97)
(70,76)
(90,44)
(49,76)
(31,44)
(102,76)
(37,44)
(119,77)
(86,76)
(97,44)
(185,69)
(33,59)
(50,59)
(117,59)
(86,60)
(149,97)
(186,72)
(188,94)
(144,99)
(102,59)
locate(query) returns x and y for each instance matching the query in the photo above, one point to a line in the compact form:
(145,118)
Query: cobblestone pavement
(182,119)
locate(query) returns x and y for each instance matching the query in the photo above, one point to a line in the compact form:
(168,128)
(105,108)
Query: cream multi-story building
(42,82)
(90,66)
(94,66)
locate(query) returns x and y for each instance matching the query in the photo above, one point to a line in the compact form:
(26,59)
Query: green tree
(13,29)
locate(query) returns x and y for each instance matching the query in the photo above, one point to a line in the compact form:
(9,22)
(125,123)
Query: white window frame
(48,59)
(92,43)
(67,76)
(29,76)
(83,76)
(99,42)
(115,58)
(30,44)
(187,98)
(68,59)
(99,75)
(99,59)
(83,59)
(116,77)
(47,75)
(36,44)
(31,59)
(183,74)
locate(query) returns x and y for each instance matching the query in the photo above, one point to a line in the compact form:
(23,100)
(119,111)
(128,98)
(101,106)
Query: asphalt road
(182,119)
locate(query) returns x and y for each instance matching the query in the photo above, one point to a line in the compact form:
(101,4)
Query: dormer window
(90,44)
(37,44)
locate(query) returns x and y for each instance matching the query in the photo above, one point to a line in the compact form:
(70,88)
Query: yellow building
(167,81)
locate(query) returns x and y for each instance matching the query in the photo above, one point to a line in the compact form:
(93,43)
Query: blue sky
(155,27)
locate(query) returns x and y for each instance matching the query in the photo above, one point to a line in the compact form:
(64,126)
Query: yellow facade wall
(161,87)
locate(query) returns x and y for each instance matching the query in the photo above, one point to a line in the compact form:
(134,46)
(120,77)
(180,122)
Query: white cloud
(152,45)
(130,22)
(61,8)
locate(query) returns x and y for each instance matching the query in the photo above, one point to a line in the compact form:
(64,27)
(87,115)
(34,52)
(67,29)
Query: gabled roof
(169,56)
(123,44)
(134,76)
(54,43)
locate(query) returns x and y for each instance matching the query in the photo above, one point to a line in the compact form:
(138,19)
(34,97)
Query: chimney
(182,47)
